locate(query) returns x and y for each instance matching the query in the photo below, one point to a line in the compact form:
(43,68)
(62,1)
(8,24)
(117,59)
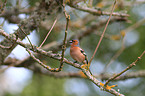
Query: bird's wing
(83,52)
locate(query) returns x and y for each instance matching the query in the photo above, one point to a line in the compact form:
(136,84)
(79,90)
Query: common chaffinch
(77,53)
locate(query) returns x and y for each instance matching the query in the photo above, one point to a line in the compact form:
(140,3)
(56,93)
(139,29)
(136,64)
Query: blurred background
(124,37)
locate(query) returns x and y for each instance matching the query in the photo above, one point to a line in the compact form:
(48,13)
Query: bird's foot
(85,66)
(75,61)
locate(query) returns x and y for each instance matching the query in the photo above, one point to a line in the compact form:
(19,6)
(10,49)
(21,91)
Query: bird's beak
(70,41)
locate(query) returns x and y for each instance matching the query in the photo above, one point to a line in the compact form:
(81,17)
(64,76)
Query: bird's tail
(86,59)
(88,64)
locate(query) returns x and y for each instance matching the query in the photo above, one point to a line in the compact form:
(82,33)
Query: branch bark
(96,12)
(29,64)
(34,21)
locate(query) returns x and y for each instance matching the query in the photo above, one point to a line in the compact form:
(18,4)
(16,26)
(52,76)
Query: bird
(77,53)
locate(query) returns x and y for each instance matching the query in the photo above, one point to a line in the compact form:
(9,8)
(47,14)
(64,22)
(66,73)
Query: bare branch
(130,66)
(103,33)
(48,33)
(98,83)
(41,63)
(57,57)
(65,38)
(134,26)
(26,36)
(27,64)
(55,46)
(96,12)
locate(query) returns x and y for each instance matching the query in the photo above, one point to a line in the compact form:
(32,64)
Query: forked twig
(41,63)
(102,33)
(26,36)
(8,47)
(130,66)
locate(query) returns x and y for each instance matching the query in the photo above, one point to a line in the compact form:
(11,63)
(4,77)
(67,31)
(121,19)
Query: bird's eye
(73,41)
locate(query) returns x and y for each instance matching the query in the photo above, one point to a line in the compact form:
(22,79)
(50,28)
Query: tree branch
(96,12)
(130,66)
(27,63)
(57,57)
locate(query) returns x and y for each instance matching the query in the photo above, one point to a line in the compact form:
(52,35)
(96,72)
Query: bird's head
(74,42)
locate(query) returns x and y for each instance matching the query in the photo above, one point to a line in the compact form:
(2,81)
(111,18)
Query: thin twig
(8,47)
(130,66)
(134,26)
(65,38)
(115,56)
(103,33)
(26,36)
(41,63)
(48,33)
